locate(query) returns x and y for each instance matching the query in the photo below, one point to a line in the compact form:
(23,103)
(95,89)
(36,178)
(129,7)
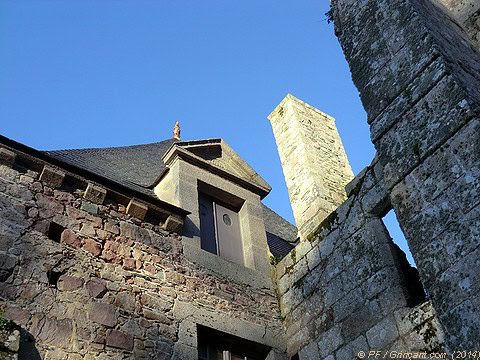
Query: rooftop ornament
(176,131)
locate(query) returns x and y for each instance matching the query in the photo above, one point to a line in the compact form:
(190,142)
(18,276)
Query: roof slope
(138,168)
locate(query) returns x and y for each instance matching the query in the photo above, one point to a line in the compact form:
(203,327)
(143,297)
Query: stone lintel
(174,223)
(7,157)
(137,209)
(95,194)
(52,177)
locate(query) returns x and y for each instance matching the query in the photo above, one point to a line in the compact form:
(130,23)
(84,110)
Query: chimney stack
(314,162)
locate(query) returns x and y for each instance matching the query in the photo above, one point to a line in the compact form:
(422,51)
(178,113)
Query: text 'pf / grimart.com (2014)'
(391,354)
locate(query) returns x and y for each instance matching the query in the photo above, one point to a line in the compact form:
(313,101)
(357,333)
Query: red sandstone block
(68,237)
(105,314)
(96,288)
(69,283)
(92,247)
(119,340)
(129,264)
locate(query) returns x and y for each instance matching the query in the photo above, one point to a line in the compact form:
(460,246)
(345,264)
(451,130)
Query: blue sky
(92,73)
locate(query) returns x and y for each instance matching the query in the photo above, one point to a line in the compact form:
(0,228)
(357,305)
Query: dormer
(225,231)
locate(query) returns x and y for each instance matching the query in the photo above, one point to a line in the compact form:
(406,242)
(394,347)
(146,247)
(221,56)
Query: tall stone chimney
(314,162)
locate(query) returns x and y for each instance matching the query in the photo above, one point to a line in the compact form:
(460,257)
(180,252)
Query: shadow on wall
(28,349)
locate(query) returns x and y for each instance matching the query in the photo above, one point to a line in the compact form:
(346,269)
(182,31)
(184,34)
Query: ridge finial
(176,131)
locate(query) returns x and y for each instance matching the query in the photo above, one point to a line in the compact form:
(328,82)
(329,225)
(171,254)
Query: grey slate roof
(139,166)
(136,167)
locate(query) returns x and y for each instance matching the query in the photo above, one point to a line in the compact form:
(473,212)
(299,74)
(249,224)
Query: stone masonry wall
(348,288)
(316,168)
(88,281)
(419,81)
(467,14)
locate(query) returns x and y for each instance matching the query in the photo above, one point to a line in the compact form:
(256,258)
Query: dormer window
(220,228)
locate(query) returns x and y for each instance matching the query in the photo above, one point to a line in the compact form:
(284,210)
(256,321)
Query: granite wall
(419,81)
(467,15)
(349,289)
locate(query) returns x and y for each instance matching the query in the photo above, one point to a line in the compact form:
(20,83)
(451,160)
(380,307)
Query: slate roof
(136,166)
(139,166)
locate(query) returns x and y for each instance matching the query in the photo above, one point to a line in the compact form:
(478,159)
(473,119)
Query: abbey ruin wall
(419,81)
(348,288)
(467,15)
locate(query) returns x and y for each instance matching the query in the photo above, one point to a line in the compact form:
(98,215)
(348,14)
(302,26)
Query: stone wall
(89,281)
(348,288)
(419,81)
(467,14)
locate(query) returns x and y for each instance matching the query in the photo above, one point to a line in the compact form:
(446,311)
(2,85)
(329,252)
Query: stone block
(94,193)
(52,177)
(351,350)
(137,209)
(69,283)
(174,223)
(96,288)
(89,207)
(17,314)
(329,341)
(68,237)
(309,352)
(7,157)
(119,339)
(382,334)
(51,331)
(92,247)
(103,313)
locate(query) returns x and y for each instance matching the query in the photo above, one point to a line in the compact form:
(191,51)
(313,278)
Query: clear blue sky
(91,73)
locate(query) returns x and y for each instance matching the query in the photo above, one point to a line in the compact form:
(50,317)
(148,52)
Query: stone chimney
(314,162)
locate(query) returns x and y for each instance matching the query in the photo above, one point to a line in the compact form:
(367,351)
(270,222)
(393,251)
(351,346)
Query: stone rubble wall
(419,81)
(347,288)
(9,343)
(88,281)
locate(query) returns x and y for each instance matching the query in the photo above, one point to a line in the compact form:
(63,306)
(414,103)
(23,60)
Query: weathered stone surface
(52,177)
(137,209)
(96,288)
(68,237)
(7,157)
(69,283)
(307,159)
(18,315)
(9,344)
(92,247)
(104,314)
(94,193)
(119,340)
(174,224)
(52,331)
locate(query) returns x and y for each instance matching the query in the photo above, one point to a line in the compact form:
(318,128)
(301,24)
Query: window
(216,345)
(220,228)
(408,268)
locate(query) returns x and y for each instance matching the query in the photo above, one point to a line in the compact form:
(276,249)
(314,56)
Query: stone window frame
(187,175)
(189,317)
